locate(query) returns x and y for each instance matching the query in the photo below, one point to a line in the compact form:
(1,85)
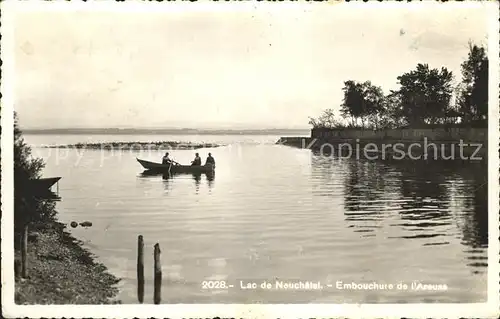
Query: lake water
(277,213)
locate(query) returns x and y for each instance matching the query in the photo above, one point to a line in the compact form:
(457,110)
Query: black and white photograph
(242,159)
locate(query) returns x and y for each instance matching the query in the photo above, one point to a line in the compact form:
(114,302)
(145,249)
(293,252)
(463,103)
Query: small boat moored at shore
(177,169)
(42,188)
(43,183)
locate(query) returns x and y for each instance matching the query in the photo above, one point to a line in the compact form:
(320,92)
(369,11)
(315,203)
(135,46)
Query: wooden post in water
(157,276)
(24,252)
(140,269)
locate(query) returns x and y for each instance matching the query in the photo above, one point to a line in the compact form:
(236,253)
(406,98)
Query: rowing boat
(176,169)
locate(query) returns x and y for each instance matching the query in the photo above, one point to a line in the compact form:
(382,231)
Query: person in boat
(197,160)
(210,160)
(166,160)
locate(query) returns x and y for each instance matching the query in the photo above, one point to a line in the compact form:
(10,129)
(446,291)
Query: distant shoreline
(116,131)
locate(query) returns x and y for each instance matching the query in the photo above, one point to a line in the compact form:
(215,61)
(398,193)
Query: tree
(326,120)
(28,207)
(352,103)
(473,98)
(425,95)
(374,103)
(391,116)
(362,101)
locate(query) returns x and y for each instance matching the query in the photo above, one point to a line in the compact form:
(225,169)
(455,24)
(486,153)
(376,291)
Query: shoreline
(391,149)
(61,271)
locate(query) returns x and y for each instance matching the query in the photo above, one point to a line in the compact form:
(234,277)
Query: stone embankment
(437,144)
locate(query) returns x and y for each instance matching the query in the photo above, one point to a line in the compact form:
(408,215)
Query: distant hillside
(184,131)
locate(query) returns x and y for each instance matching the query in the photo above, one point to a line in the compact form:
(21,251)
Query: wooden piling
(17,268)
(24,252)
(140,269)
(157,275)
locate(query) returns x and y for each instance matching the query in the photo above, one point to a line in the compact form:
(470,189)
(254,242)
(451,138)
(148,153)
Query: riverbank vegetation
(58,268)
(426,98)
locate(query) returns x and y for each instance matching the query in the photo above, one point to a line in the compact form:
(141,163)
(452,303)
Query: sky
(256,67)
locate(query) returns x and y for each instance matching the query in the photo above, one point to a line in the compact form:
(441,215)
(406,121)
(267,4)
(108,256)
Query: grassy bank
(61,271)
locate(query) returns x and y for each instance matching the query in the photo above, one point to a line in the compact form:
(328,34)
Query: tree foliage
(425,97)
(326,120)
(28,206)
(392,115)
(473,95)
(362,101)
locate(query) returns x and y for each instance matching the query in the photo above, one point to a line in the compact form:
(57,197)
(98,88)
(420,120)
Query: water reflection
(411,200)
(339,220)
(210,181)
(197,180)
(425,210)
(169,177)
(364,204)
(167,183)
(148,173)
(474,198)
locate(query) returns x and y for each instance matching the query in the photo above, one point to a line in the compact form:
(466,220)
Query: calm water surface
(275,212)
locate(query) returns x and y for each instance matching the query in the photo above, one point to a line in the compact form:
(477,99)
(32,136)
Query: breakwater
(450,134)
(437,143)
(163,145)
